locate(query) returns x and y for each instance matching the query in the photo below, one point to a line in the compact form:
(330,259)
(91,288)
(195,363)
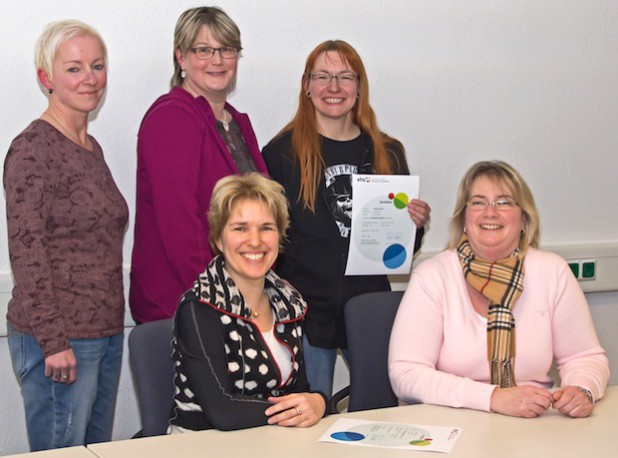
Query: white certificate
(364,433)
(383,234)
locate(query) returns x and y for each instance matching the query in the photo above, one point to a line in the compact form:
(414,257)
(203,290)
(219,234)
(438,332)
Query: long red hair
(304,127)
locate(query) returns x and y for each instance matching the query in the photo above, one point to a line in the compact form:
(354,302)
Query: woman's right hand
(521,401)
(61,367)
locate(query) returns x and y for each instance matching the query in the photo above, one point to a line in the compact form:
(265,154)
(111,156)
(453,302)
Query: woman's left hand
(419,211)
(296,409)
(570,401)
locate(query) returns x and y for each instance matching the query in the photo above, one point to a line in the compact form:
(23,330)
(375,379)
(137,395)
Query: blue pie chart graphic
(394,256)
(347,436)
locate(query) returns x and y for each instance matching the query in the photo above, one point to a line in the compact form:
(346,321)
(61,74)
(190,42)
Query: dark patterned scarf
(502,282)
(216,287)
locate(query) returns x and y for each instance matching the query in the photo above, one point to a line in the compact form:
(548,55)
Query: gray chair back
(150,358)
(369,319)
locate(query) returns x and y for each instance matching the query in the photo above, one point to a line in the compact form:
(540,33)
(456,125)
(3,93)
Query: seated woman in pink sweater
(454,341)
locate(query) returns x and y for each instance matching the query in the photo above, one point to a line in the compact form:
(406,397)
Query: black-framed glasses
(502,205)
(208,52)
(344,79)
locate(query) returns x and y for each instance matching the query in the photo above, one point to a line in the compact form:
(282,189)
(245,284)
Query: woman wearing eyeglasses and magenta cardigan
(188,140)
(481,323)
(333,135)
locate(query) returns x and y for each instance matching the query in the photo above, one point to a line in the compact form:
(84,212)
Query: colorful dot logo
(348,436)
(422,443)
(400,200)
(394,256)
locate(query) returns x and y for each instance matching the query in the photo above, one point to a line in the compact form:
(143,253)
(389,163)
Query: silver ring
(298,412)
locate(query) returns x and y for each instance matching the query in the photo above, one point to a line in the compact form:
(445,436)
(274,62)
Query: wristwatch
(587,393)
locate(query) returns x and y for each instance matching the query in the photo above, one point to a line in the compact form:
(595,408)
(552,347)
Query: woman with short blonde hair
(237,342)
(230,190)
(66,220)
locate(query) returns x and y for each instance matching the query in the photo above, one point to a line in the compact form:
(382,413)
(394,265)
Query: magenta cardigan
(180,157)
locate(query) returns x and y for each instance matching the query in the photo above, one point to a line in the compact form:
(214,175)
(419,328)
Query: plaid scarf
(502,282)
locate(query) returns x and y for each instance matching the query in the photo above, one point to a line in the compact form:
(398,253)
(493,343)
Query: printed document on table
(382,236)
(364,433)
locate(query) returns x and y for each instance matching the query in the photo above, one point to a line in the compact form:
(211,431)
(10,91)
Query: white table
(68,452)
(484,435)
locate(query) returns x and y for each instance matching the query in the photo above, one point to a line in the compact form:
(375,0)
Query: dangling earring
(50,90)
(183,74)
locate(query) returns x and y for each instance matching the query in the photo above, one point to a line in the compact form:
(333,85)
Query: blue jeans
(61,415)
(320,366)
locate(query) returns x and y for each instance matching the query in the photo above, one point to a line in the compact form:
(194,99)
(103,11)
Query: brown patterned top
(66,220)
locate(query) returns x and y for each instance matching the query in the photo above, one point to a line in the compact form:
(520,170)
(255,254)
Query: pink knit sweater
(438,344)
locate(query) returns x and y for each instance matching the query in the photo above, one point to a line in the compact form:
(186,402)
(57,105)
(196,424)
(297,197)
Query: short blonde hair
(188,27)
(505,175)
(54,35)
(231,190)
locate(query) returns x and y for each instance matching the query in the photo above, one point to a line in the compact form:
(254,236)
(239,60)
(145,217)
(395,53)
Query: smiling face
(332,101)
(79,74)
(493,234)
(212,78)
(249,242)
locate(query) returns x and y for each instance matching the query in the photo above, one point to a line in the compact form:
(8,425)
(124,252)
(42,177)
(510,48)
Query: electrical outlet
(583,269)
(589,269)
(574,265)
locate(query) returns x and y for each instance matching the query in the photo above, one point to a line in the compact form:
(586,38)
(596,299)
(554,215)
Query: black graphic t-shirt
(342,161)
(316,254)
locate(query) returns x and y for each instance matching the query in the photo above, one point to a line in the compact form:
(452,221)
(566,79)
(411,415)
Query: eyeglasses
(501,205)
(344,79)
(206,52)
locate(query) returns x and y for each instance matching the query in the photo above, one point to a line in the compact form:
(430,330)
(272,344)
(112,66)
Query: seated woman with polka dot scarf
(238,332)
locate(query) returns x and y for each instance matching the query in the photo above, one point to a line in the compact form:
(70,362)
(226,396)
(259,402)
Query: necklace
(255,313)
(224,122)
(71,136)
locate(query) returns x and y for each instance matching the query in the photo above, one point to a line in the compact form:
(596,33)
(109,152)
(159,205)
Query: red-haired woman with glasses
(333,135)
(188,140)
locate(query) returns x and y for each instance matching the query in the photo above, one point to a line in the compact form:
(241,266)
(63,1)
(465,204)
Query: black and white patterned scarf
(249,366)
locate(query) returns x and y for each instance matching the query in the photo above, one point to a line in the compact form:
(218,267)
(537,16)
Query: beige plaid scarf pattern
(502,282)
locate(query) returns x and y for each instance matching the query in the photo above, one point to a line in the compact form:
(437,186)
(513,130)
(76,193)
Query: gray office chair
(150,357)
(369,319)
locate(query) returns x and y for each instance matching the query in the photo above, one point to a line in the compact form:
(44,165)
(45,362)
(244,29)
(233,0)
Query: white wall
(527,81)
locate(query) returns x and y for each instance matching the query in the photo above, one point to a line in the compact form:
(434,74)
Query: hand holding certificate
(383,234)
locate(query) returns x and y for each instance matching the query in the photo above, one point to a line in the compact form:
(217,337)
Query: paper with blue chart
(364,433)
(382,237)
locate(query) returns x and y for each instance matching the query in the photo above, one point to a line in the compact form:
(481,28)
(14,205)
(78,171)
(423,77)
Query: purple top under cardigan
(180,157)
